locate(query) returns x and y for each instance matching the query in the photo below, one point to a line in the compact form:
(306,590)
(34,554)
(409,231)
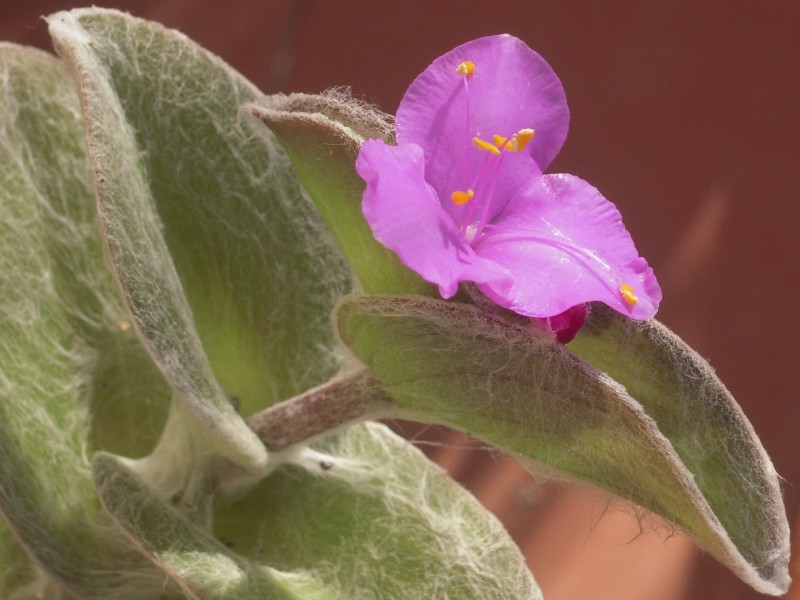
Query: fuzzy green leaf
(171,536)
(452,364)
(369,517)
(222,259)
(205,228)
(362,515)
(707,429)
(65,355)
(16,569)
(322,136)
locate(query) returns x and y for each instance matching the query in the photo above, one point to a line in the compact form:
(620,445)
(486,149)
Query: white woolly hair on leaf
(337,105)
(510,386)
(58,303)
(265,233)
(368,515)
(709,432)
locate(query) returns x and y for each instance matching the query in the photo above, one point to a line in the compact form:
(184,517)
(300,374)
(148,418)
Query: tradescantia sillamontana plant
(179,417)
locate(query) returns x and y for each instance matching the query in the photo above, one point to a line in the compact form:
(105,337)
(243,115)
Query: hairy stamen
(488,198)
(483,185)
(466,69)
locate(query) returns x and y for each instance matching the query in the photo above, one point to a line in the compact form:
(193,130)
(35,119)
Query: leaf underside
(370,517)
(362,515)
(453,364)
(60,325)
(205,222)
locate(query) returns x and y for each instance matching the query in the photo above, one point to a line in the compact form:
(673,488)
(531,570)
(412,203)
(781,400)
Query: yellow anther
(460,198)
(520,140)
(466,68)
(628,295)
(484,145)
(124,325)
(516,143)
(523,137)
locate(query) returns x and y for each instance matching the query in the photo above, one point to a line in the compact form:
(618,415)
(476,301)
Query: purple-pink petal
(564,244)
(405,216)
(543,246)
(512,88)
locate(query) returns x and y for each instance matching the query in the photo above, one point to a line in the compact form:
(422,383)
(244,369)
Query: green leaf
(322,135)
(170,535)
(222,259)
(368,516)
(452,364)
(361,515)
(708,430)
(65,355)
(15,568)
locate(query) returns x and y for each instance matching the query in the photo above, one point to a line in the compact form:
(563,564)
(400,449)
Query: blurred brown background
(687,115)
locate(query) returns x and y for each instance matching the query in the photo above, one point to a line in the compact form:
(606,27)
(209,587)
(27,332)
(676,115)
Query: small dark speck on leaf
(235,402)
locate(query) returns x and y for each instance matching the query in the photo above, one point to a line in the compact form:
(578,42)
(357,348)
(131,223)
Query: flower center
(481,189)
(491,166)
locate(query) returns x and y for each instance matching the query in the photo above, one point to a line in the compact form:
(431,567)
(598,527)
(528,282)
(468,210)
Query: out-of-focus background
(687,116)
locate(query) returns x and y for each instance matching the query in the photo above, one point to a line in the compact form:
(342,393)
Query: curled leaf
(368,516)
(221,259)
(709,432)
(508,385)
(322,136)
(362,515)
(64,358)
(132,231)
(202,567)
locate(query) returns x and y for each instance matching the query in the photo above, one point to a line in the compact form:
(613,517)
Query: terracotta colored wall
(687,115)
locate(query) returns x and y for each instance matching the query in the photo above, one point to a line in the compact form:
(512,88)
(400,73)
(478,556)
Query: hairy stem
(346,399)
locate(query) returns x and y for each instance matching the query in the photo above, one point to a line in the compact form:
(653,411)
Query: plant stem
(345,399)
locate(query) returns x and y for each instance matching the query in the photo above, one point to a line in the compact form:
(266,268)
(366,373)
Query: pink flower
(462,196)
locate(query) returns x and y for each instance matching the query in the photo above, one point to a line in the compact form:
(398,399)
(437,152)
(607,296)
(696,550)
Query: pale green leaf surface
(138,252)
(453,364)
(368,516)
(322,136)
(64,358)
(707,428)
(15,568)
(172,538)
(237,258)
(207,227)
